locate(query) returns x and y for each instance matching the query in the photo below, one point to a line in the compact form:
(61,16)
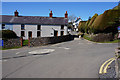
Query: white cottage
(76,23)
(35,26)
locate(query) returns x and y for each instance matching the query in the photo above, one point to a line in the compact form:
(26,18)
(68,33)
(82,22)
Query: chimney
(66,15)
(16,13)
(50,14)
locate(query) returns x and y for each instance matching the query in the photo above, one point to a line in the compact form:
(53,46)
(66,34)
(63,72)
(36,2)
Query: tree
(71,18)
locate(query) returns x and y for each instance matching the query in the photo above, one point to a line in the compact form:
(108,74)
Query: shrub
(101,37)
(8,34)
(92,20)
(81,26)
(106,21)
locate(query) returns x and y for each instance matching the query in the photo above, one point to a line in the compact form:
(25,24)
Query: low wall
(10,43)
(49,40)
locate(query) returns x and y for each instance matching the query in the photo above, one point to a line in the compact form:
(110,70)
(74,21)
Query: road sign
(118,28)
(1,42)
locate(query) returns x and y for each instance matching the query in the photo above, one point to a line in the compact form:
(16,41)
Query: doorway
(55,33)
(30,34)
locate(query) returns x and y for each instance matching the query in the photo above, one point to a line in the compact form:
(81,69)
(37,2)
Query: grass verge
(9,48)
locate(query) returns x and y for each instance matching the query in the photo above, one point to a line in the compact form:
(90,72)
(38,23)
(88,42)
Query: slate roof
(33,20)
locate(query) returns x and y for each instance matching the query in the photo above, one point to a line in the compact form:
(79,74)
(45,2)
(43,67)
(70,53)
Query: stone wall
(49,40)
(11,43)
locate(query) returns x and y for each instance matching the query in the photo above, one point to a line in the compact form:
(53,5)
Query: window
(62,33)
(22,26)
(62,26)
(38,33)
(55,33)
(22,33)
(3,26)
(39,27)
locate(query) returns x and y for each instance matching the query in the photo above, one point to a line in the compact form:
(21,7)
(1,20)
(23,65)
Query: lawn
(9,48)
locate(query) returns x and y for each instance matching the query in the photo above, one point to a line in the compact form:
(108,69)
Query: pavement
(72,59)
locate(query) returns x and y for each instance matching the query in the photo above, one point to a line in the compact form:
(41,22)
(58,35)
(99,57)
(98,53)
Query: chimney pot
(50,14)
(66,15)
(16,13)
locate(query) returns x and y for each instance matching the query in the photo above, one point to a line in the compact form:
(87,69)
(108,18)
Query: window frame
(22,25)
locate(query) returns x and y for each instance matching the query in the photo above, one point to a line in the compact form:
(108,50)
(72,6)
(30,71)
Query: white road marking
(66,48)
(80,43)
(4,60)
(17,52)
(41,51)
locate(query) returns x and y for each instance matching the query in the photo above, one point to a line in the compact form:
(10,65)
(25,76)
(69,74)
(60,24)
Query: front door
(55,33)
(30,34)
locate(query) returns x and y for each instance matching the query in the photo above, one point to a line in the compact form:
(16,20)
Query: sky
(82,9)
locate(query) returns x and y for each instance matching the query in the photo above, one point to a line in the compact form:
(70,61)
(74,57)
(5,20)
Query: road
(72,59)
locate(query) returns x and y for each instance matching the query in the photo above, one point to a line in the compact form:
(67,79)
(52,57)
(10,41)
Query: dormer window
(62,26)
(22,26)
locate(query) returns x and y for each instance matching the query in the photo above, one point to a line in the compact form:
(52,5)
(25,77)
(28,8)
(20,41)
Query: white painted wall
(48,30)
(17,29)
(33,28)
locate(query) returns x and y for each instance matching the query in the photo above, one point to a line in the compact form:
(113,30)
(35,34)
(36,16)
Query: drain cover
(42,51)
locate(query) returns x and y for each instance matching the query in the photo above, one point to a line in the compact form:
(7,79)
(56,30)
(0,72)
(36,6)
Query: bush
(8,34)
(101,37)
(81,26)
(106,21)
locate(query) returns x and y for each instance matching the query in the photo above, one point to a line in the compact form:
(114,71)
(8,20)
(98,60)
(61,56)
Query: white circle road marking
(41,51)
(17,52)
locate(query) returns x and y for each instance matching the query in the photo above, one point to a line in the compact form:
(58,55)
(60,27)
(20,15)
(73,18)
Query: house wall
(48,30)
(17,29)
(33,28)
(7,27)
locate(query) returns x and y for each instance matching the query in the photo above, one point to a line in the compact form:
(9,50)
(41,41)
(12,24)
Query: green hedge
(8,34)
(106,21)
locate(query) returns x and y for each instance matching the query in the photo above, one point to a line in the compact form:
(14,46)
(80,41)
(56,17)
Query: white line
(4,60)
(17,52)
